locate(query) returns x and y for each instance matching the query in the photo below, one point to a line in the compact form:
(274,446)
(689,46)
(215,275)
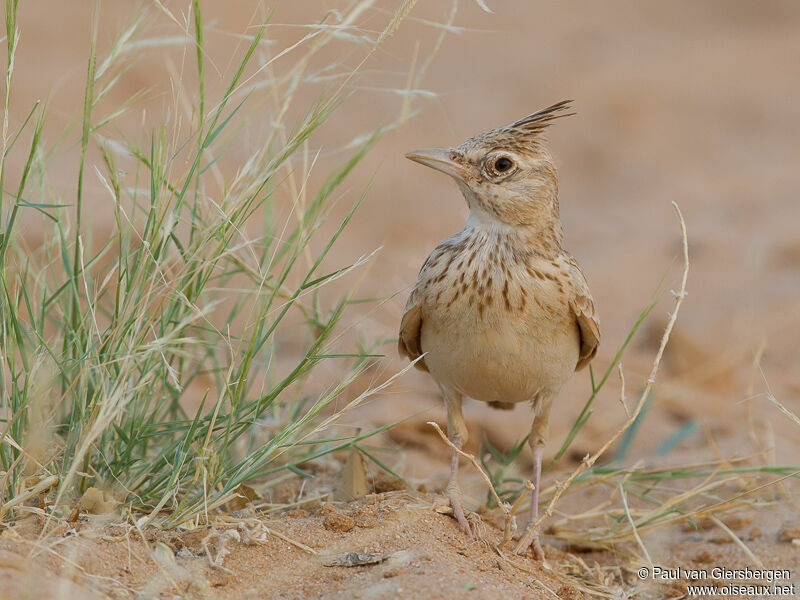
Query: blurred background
(689,102)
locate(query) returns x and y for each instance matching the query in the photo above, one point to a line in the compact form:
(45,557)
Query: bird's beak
(441,159)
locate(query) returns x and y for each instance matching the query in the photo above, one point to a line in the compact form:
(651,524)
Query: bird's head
(507,175)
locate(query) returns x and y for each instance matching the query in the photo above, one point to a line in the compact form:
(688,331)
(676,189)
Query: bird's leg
(539,432)
(457,434)
(534,512)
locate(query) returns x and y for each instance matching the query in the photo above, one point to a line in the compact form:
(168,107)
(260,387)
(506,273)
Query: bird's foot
(456,502)
(534,544)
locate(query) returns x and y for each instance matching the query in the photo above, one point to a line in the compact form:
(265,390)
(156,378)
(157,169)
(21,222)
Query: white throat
(481,220)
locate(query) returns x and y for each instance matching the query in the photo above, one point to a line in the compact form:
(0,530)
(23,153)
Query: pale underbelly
(500,361)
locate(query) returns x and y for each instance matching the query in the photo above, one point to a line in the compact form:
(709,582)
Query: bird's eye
(498,166)
(503,164)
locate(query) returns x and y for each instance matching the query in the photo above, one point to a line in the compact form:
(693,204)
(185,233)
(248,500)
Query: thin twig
(471,458)
(507,532)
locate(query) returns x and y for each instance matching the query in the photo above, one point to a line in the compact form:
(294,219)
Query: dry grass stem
(622,390)
(256,530)
(295,543)
(792,417)
(633,525)
(748,404)
(44,484)
(508,530)
(738,541)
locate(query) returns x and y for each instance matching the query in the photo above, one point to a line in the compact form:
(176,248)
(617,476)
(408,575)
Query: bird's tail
(502,405)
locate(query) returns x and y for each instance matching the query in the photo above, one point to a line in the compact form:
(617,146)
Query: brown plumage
(500,311)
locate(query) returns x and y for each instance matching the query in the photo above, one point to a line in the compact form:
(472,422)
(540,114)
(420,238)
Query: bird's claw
(454,495)
(463,524)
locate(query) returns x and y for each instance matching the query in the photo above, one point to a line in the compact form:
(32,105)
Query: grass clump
(145,360)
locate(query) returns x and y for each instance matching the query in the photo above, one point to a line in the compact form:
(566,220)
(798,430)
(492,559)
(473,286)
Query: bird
(500,312)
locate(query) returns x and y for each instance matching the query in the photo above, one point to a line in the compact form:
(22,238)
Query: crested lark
(501,312)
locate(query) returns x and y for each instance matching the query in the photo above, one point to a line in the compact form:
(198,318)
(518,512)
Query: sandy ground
(686,102)
(409,549)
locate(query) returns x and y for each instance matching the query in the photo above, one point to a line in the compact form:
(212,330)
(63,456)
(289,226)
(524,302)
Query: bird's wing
(585,313)
(432,271)
(409,343)
(410,328)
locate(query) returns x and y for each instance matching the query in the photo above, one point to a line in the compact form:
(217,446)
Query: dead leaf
(244,496)
(352,482)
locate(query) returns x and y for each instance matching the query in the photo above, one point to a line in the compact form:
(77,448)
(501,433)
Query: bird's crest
(524,134)
(539,121)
